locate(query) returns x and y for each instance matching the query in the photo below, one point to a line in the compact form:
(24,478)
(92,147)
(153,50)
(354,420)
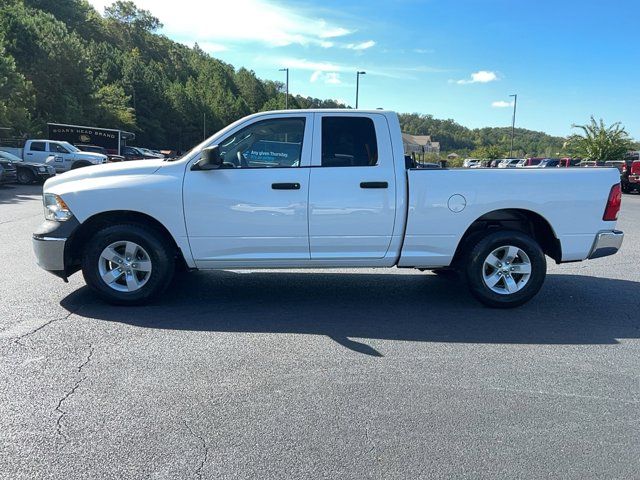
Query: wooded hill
(61,61)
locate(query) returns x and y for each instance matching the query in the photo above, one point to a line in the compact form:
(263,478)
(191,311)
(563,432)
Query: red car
(569,162)
(529,162)
(630,178)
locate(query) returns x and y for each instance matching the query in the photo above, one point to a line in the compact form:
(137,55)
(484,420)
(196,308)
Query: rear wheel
(128,264)
(25,176)
(506,269)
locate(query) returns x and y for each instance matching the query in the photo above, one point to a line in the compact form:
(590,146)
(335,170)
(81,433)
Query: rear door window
(38,146)
(349,142)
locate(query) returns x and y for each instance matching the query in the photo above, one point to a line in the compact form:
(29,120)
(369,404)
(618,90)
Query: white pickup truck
(321,189)
(60,155)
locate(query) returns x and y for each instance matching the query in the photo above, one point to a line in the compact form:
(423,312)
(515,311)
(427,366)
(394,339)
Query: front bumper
(10,176)
(45,175)
(49,245)
(49,253)
(607,242)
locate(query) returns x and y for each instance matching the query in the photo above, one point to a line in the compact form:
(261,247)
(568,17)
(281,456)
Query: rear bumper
(607,242)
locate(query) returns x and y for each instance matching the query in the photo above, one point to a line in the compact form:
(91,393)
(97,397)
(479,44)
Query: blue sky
(457,59)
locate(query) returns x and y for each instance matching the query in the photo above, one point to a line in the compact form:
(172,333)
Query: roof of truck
(330,110)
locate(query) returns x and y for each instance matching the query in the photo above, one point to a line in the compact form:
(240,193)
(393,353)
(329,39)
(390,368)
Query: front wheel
(25,176)
(128,264)
(506,269)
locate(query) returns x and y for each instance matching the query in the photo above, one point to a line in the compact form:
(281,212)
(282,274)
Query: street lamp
(286,98)
(513,121)
(358,85)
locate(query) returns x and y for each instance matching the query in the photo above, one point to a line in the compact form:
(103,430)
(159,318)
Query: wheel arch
(80,164)
(75,247)
(523,220)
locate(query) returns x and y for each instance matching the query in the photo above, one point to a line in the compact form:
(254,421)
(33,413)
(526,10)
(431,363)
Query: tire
(149,277)
(511,289)
(25,176)
(80,165)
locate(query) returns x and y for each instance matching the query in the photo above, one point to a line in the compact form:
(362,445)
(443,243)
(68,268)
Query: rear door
(352,191)
(36,152)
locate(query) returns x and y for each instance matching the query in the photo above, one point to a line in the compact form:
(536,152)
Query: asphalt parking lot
(319,374)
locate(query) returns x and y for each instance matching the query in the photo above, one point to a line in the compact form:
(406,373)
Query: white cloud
(482,76)
(262,21)
(211,47)
(360,46)
(302,64)
(333,78)
(330,78)
(501,104)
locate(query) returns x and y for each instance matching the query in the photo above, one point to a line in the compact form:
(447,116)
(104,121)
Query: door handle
(285,186)
(29,153)
(374,185)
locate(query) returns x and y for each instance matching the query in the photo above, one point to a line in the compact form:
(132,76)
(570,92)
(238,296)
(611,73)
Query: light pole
(286,98)
(513,121)
(358,85)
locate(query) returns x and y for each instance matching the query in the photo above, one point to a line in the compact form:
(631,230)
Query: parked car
(509,162)
(135,153)
(630,177)
(469,162)
(569,162)
(547,163)
(1,174)
(150,153)
(531,161)
(9,171)
(28,172)
(65,156)
(261,193)
(98,149)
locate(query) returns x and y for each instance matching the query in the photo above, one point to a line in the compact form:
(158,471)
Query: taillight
(635,167)
(613,204)
(624,167)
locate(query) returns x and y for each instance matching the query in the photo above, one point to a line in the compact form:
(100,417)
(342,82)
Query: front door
(253,210)
(352,192)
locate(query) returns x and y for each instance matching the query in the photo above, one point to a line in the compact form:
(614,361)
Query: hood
(139,167)
(89,155)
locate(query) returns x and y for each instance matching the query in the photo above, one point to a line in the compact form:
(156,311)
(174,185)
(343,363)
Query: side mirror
(210,159)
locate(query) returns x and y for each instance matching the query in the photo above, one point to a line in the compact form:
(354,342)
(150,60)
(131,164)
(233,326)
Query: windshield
(70,147)
(9,156)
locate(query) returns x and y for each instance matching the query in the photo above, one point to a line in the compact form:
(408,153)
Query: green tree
(488,152)
(600,142)
(17,101)
(127,13)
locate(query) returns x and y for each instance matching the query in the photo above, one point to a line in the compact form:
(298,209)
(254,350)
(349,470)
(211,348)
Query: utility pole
(286,98)
(358,85)
(513,121)
(204,126)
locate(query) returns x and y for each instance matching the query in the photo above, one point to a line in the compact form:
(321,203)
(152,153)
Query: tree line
(61,61)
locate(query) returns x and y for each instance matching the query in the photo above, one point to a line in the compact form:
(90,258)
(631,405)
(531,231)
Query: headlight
(42,169)
(55,208)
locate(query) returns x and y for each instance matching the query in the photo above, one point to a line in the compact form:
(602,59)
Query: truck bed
(444,203)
